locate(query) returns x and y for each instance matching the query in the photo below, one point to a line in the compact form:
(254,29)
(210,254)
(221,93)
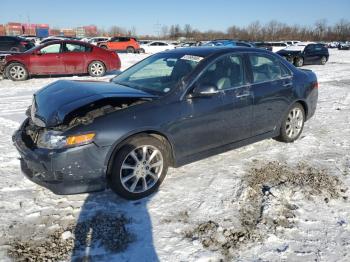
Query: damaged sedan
(172,108)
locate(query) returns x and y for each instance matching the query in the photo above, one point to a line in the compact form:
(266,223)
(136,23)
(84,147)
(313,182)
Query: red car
(64,57)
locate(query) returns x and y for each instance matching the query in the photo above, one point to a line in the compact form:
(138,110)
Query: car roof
(67,41)
(207,51)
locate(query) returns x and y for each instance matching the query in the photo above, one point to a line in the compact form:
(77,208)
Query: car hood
(54,102)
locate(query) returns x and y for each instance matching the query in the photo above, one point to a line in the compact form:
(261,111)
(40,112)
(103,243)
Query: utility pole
(157,28)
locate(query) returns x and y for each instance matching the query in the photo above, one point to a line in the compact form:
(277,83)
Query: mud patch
(107,231)
(265,204)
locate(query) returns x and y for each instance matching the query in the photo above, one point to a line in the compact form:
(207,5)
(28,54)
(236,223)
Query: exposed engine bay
(82,116)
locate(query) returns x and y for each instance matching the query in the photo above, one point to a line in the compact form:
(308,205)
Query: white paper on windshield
(192,58)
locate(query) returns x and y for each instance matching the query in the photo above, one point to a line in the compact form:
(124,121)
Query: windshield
(158,74)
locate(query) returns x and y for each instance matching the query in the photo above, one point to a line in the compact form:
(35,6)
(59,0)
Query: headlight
(55,140)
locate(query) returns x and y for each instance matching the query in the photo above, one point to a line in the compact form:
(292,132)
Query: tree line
(255,31)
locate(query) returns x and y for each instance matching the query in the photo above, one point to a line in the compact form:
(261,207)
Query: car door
(74,58)
(213,121)
(310,56)
(272,89)
(47,60)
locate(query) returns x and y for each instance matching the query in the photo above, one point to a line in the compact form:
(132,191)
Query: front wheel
(16,72)
(96,69)
(139,167)
(298,62)
(292,124)
(130,50)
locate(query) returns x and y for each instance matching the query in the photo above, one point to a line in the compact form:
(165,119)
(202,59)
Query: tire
(292,124)
(142,51)
(135,179)
(104,46)
(298,62)
(16,72)
(323,60)
(130,50)
(96,69)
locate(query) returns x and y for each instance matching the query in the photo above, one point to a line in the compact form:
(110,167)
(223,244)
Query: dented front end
(68,164)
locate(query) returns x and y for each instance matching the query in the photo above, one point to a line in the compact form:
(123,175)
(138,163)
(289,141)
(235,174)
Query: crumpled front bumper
(67,171)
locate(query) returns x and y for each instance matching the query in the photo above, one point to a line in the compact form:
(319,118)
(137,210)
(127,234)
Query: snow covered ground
(295,209)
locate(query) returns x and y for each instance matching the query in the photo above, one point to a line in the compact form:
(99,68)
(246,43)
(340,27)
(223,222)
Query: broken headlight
(51,140)
(55,140)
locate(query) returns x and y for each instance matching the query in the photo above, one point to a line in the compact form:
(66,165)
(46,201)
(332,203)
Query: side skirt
(225,148)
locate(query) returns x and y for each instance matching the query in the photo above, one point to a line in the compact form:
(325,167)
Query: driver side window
(51,49)
(227,72)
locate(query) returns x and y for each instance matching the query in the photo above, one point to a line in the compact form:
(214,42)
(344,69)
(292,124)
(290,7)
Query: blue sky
(145,14)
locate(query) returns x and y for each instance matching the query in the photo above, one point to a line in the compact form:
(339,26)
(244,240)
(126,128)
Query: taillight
(315,84)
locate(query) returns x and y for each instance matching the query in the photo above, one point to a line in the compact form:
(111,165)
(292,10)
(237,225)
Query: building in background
(29,29)
(80,32)
(13,29)
(42,30)
(2,30)
(68,32)
(90,30)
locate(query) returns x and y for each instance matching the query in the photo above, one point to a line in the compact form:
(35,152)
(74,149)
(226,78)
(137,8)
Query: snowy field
(268,201)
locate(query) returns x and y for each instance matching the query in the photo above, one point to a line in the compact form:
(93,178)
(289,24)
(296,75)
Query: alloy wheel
(97,69)
(294,123)
(141,169)
(17,72)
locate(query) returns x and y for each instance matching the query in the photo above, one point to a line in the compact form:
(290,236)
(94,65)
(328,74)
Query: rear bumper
(69,171)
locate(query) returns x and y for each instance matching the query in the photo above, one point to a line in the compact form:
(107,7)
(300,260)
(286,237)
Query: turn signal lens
(80,139)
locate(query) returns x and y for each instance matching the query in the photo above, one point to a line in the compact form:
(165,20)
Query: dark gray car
(170,109)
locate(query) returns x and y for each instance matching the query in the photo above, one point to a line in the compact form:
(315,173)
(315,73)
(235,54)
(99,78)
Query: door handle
(287,84)
(243,94)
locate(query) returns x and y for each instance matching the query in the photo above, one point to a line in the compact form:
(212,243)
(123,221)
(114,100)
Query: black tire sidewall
(283,134)
(130,50)
(93,62)
(114,176)
(8,75)
(323,57)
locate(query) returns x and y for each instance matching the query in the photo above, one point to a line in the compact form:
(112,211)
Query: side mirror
(204,91)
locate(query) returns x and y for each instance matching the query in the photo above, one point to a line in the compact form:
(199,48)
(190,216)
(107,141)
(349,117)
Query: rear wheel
(104,46)
(96,69)
(298,62)
(323,60)
(139,167)
(292,124)
(16,72)
(130,50)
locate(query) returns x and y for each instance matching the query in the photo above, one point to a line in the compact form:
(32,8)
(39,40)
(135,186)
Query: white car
(95,40)
(277,46)
(155,47)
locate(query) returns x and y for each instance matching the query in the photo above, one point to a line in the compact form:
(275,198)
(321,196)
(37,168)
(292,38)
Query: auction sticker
(192,58)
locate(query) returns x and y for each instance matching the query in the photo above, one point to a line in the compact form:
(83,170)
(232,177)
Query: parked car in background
(305,53)
(228,43)
(155,47)
(51,38)
(96,40)
(187,44)
(61,58)
(170,109)
(344,46)
(121,44)
(277,46)
(294,42)
(15,44)
(263,45)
